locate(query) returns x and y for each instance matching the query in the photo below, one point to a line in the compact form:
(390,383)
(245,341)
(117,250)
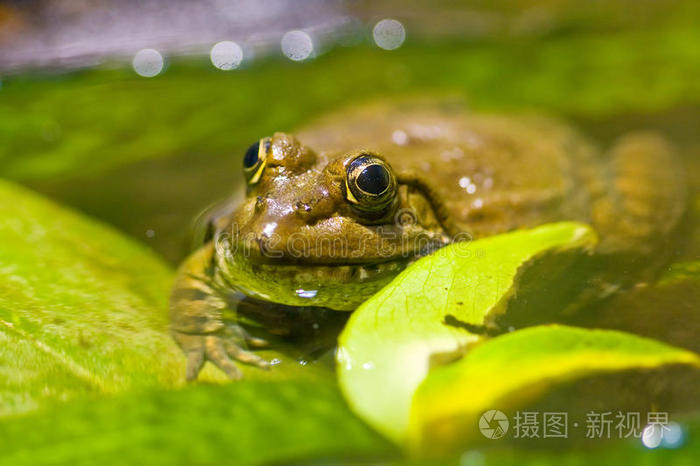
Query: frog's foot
(221,348)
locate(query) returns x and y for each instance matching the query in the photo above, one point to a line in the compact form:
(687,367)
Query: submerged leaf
(512,371)
(393,340)
(666,310)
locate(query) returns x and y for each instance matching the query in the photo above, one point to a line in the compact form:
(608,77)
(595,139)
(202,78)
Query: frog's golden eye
(254,160)
(370,183)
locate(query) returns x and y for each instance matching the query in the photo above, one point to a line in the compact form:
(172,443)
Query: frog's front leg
(197,325)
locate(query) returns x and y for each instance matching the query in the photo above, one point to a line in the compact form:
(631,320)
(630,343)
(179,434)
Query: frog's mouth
(340,286)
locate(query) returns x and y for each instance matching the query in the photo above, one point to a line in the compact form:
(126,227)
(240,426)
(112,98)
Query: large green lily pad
(513,370)
(83,309)
(250,422)
(392,341)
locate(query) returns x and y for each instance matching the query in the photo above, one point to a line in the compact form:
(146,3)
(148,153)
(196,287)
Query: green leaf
(249,422)
(391,342)
(513,370)
(83,309)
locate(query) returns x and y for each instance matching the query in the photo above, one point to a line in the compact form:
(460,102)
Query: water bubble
(297,45)
(226,55)
(399,137)
(148,63)
(651,435)
(466,183)
(673,435)
(306,293)
(389,34)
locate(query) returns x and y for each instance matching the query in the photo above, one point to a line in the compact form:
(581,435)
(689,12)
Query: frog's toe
(246,357)
(256,342)
(216,352)
(240,333)
(195,361)
(221,350)
(194,349)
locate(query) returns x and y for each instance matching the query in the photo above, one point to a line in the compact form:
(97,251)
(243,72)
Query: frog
(332,213)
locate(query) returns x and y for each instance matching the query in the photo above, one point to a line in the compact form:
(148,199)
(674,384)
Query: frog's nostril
(259,203)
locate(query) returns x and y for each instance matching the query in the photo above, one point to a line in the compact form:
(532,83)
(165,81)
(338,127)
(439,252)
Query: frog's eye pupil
(374,179)
(251,156)
(370,185)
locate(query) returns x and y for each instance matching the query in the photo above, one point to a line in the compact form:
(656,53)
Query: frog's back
(496,173)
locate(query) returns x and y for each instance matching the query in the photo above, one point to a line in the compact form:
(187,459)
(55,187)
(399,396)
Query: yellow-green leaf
(393,339)
(516,369)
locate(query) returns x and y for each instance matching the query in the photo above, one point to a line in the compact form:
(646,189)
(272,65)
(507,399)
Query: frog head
(314,221)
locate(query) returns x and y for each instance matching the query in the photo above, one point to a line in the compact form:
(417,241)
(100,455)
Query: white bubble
(148,63)
(226,55)
(306,293)
(399,137)
(651,435)
(297,45)
(389,34)
(673,436)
